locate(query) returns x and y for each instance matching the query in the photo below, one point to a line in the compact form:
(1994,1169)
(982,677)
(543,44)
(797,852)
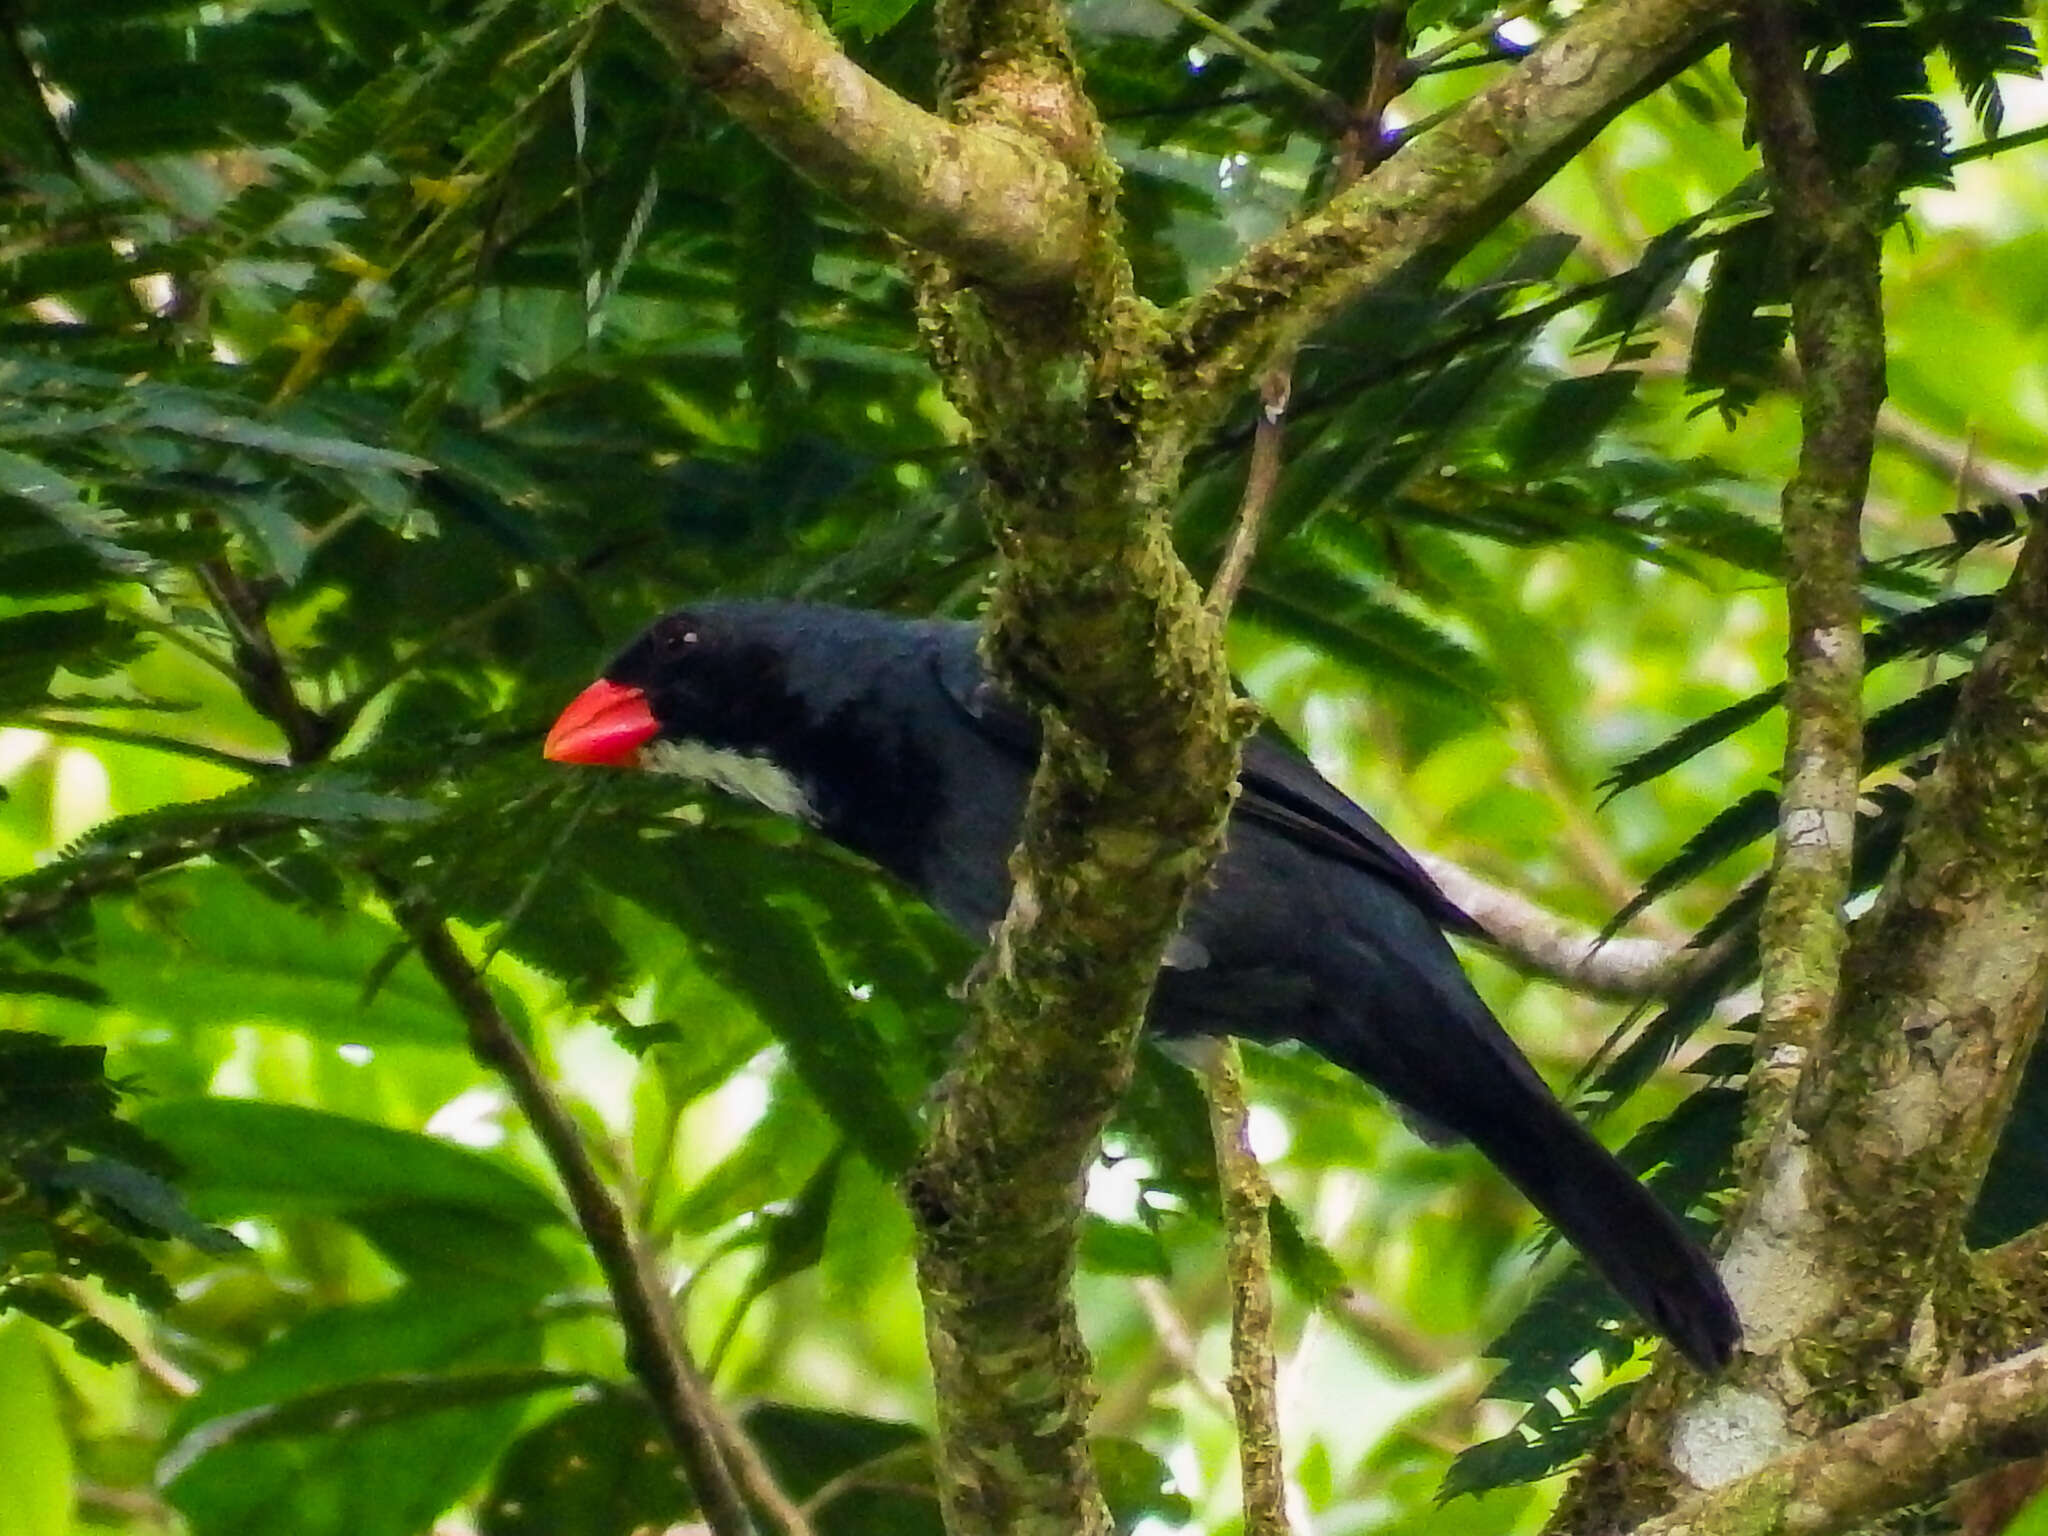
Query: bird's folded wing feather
(1278,788)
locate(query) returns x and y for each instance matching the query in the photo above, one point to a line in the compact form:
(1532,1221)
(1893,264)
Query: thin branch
(756,1479)
(24,908)
(1478,32)
(654,1350)
(1882,1463)
(1330,102)
(1248,1258)
(1832,237)
(1364,144)
(1440,193)
(1177,1342)
(1261,479)
(92,730)
(1375,1325)
(170,1377)
(1999,145)
(1951,458)
(259,669)
(1532,938)
(992,200)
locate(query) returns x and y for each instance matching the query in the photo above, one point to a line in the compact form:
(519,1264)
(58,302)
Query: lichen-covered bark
(1899,1457)
(1248,1256)
(1847,1259)
(1829,234)
(1439,194)
(988,196)
(1095,621)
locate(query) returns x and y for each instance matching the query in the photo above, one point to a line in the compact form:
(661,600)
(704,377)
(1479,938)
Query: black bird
(885,735)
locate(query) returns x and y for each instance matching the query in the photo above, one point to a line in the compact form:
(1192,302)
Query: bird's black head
(728,693)
(713,675)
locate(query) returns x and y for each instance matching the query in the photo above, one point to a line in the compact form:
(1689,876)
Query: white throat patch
(735,772)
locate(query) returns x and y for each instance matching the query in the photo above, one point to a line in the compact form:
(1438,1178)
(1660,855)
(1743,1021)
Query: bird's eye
(675,639)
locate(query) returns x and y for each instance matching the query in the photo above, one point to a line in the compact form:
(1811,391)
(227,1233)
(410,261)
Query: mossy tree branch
(1848,1260)
(990,196)
(1430,202)
(1247,1199)
(1892,1459)
(1829,234)
(1096,623)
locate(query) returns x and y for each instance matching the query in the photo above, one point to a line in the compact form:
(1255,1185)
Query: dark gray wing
(1278,788)
(1281,789)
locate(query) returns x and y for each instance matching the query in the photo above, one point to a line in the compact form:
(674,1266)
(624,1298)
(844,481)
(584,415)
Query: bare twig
(654,1349)
(1260,480)
(1248,1256)
(259,669)
(1177,1341)
(1329,101)
(1364,144)
(1374,1324)
(1246,1195)
(24,908)
(1478,32)
(1999,145)
(1534,939)
(173,1379)
(199,751)
(750,1470)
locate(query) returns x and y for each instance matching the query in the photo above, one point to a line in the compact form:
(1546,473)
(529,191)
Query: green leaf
(392,1478)
(52,984)
(1547,1441)
(809,1447)
(746,908)
(870,18)
(1728,832)
(96,529)
(2032,1520)
(1119,1248)
(244,1157)
(146,1200)
(1568,416)
(37,1452)
(1742,326)
(1939,626)
(217,954)
(597,1468)
(1136,1484)
(357,1406)
(86,641)
(435,1243)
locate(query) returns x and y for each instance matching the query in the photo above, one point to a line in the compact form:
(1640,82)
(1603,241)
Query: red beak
(603,726)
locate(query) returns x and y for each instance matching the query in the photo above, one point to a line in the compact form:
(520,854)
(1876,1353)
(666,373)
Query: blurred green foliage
(368,371)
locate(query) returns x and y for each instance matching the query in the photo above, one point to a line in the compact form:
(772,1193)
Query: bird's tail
(1489,1095)
(1623,1229)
